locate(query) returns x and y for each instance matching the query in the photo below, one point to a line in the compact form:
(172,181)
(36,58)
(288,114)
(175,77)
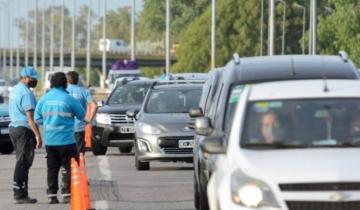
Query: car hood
(172,123)
(117,109)
(303,165)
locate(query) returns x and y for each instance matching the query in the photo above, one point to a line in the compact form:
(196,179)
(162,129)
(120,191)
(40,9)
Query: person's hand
(38,142)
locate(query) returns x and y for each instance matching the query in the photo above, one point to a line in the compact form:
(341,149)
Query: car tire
(97,148)
(7,148)
(196,194)
(127,149)
(140,165)
(203,199)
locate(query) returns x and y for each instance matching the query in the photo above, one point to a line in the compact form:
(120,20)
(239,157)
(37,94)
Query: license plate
(127,129)
(186,143)
(4,131)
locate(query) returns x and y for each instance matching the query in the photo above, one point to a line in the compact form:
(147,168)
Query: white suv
(293,145)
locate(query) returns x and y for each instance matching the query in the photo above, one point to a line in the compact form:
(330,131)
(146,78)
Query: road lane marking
(101,205)
(104,168)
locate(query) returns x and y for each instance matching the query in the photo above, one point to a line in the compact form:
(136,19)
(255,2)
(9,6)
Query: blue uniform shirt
(84,97)
(21,100)
(56,110)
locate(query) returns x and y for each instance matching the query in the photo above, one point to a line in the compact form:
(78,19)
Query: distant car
(3,88)
(113,45)
(190,76)
(6,146)
(113,128)
(161,132)
(293,145)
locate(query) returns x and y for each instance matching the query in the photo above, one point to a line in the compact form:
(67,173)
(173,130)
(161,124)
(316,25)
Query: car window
(129,94)
(231,103)
(305,123)
(173,100)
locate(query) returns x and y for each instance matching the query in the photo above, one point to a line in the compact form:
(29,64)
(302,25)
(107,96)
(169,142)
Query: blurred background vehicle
(113,45)
(113,127)
(121,68)
(6,146)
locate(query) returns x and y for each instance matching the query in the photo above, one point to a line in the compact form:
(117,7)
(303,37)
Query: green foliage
(151,72)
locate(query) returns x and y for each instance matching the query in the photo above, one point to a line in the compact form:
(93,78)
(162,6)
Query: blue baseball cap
(29,72)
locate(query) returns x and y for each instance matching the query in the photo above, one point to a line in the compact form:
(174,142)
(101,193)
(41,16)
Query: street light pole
(17,48)
(10,39)
(35,35)
(167,38)
(271,26)
(73,37)
(88,47)
(314,26)
(27,35)
(304,24)
(213,33)
(62,37)
(262,28)
(51,57)
(43,41)
(104,47)
(133,30)
(283,26)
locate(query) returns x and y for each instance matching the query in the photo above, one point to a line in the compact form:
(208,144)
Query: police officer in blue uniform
(84,97)
(24,133)
(56,111)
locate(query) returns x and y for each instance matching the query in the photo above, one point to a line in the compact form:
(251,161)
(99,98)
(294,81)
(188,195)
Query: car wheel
(140,165)
(196,194)
(203,199)
(125,149)
(97,148)
(7,148)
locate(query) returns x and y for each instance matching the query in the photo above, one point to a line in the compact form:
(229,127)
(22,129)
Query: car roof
(305,89)
(191,76)
(140,81)
(290,67)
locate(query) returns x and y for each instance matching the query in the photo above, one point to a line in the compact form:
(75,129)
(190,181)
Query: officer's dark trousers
(24,143)
(80,141)
(59,157)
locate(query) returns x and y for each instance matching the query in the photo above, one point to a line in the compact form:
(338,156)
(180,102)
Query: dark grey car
(217,107)
(161,131)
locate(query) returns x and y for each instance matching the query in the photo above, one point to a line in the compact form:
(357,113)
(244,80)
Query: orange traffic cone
(84,182)
(77,202)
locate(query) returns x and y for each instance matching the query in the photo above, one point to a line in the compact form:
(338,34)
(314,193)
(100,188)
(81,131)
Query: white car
(293,145)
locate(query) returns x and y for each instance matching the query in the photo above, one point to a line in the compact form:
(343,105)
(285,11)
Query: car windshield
(302,124)
(173,100)
(129,94)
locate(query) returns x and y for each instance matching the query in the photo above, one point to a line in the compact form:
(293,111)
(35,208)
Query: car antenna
(326,88)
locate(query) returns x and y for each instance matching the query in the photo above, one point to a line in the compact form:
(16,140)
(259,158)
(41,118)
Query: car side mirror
(203,126)
(100,103)
(132,113)
(1,99)
(196,112)
(213,145)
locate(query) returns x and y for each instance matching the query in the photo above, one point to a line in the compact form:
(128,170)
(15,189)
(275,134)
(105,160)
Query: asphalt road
(114,184)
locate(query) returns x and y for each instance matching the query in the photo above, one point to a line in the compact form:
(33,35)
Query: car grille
(302,205)
(177,151)
(120,119)
(320,186)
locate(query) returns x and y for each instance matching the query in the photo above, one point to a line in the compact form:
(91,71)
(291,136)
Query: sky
(19,8)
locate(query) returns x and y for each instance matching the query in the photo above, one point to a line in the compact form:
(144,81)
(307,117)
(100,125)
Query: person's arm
(34,128)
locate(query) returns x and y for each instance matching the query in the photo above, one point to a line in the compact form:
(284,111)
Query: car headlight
(149,129)
(251,192)
(143,146)
(103,118)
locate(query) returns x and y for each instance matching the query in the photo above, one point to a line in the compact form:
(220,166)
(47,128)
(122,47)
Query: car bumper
(111,135)
(164,147)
